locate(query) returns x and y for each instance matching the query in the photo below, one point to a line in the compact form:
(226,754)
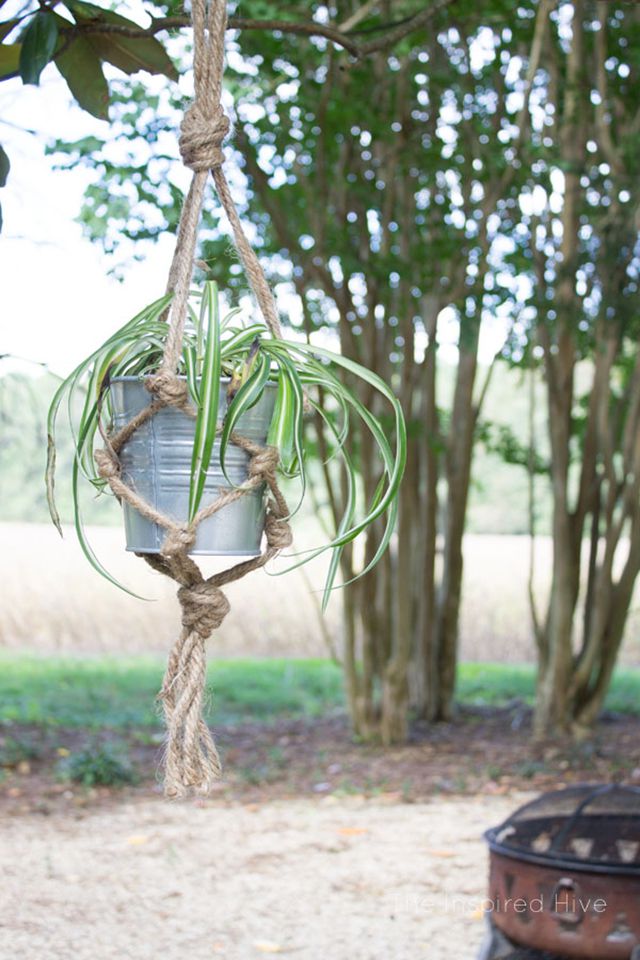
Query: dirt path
(332,879)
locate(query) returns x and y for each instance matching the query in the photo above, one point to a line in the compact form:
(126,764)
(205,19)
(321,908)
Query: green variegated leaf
(207,418)
(248,394)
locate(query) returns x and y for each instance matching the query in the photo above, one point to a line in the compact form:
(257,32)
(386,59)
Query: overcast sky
(57,299)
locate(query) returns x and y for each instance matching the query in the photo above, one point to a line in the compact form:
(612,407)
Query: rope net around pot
(191,760)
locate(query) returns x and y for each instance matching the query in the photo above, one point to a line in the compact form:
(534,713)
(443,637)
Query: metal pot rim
(141,378)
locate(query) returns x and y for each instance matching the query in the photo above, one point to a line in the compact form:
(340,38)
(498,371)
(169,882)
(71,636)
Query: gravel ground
(328,878)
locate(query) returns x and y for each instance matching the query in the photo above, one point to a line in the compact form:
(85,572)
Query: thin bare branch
(410,25)
(161,24)
(335,34)
(358,16)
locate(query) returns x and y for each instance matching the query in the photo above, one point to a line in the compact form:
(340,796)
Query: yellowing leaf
(9,59)
(7,26)
(266,946)
(137,840)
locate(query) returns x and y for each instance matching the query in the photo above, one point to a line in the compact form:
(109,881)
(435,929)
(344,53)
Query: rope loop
(168,389)
(264,463)
(178,541)
(108,464)
(277,531)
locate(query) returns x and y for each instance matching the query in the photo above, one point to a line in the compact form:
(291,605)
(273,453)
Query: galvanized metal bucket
(156,462)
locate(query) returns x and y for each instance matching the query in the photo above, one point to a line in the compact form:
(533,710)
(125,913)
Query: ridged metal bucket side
(156,462)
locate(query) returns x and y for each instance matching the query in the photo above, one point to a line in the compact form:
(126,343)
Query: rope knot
(107,463)
(264,463)
(204,607)
(202,133)
(277,532)
(178,541)
(168,389)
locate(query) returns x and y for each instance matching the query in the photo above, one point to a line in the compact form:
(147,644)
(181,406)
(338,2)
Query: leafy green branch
(500,439)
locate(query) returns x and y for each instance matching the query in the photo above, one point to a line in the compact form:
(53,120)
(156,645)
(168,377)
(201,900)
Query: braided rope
(191,760)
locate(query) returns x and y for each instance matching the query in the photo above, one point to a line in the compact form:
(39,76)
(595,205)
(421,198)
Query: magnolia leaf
(5,166)
(9,59)
(90,11)
(80,66)
(7,26)
(38,46)
(129,54)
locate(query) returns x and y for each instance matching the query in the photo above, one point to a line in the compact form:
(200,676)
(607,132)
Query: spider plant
(307,378)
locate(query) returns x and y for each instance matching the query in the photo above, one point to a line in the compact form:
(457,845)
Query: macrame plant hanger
(191,761)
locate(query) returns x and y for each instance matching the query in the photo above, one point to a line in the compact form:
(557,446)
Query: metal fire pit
(565,873)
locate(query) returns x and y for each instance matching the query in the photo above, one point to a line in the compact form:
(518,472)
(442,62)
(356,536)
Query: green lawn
(119,692)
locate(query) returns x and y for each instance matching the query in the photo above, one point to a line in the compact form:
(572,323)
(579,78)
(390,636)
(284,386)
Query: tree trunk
(458,472)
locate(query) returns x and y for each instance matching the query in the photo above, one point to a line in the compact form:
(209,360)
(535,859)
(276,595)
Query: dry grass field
(55,602)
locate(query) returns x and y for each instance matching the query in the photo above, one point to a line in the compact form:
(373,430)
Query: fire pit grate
(580,828)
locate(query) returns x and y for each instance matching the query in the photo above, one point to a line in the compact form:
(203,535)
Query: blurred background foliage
(428,179)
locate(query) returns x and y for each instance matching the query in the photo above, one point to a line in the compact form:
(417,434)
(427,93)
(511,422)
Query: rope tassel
(191,759)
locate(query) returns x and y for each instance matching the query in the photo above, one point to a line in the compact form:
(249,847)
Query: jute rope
(202,133)
(191,760)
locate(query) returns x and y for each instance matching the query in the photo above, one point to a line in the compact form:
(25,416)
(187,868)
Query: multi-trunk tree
(386,188)
(581,252)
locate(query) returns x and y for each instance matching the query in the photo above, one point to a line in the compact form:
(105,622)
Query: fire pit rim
(563,860)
